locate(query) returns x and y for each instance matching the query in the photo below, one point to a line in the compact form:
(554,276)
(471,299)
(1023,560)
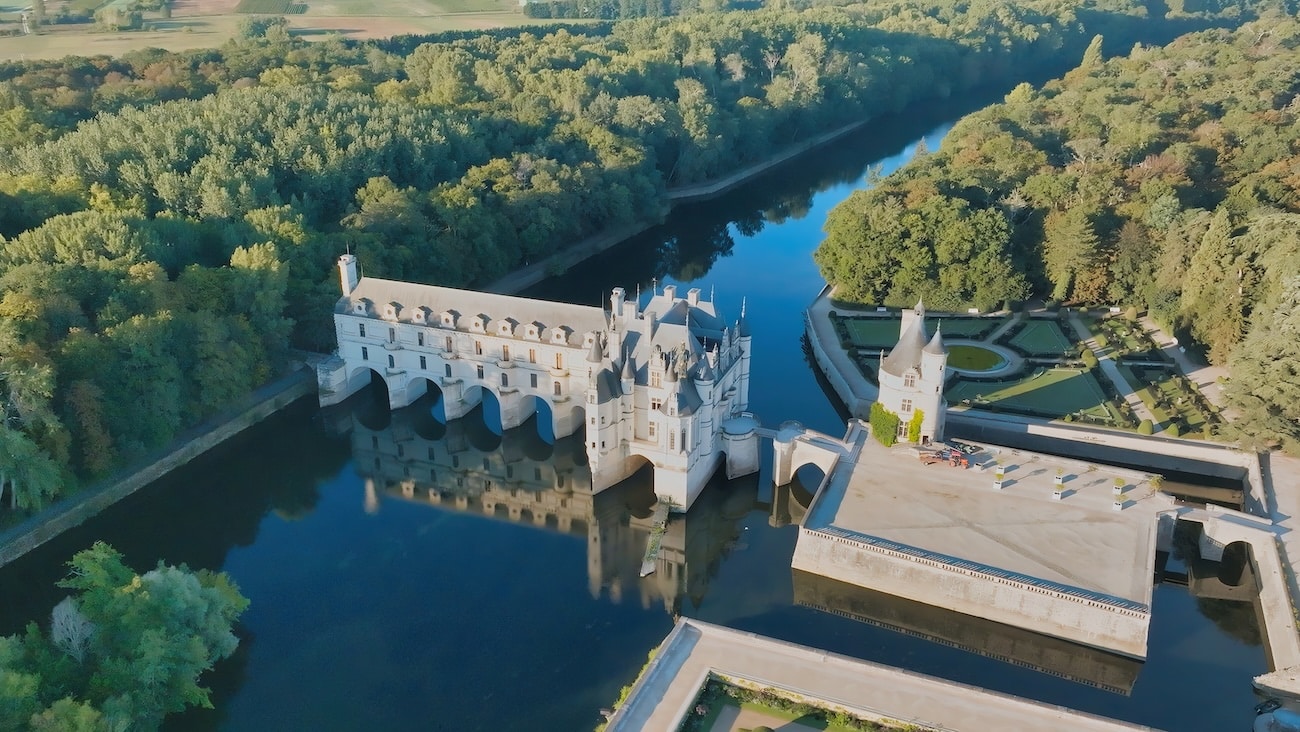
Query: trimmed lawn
(1050,393)
(1042,338)
(973,328)
(973,358)
(873,332)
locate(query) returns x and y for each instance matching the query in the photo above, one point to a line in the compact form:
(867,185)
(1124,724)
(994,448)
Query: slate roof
(907,354)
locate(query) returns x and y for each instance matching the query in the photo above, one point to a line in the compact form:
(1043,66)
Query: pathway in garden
(1012,322)
(1206,378)
(1111,370)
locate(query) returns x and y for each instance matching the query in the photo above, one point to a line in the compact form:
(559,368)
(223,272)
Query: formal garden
(718,695)
(1051,377)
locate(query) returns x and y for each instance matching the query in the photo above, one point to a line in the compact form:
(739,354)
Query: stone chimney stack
(348,275)
(652,322)
(670,292)
(616,302)
(693,296)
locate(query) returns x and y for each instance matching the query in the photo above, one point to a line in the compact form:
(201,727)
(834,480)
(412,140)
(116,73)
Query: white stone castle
(911,377)
(668,385)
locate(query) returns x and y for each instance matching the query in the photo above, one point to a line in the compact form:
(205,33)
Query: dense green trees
(169,220)
(121,653)
(1164,179)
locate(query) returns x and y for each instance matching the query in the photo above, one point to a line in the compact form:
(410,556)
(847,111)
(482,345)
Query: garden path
(1111,371)
(1207,378)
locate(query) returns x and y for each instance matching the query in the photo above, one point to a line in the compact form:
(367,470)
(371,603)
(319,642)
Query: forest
(168,221)
(1164,180)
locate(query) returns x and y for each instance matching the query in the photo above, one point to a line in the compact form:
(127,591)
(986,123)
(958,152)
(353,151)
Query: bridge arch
(1232,567)
(373,410)
(479,396)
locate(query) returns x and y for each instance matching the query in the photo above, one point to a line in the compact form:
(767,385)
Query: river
(385,611)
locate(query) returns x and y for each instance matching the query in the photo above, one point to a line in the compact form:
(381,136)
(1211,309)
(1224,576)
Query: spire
(596,353)
(628,371)
(935,345)
(742,327)
(920,306)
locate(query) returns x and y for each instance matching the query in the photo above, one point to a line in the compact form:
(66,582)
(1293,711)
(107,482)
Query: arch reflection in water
(1005,643)
(522,478)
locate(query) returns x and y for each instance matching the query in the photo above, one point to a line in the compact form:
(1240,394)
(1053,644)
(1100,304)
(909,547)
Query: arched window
(505,380)
(391,362)
(447,369)
(557,389)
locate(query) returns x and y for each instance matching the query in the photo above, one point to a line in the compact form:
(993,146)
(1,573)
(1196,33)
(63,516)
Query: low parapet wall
(1112,624)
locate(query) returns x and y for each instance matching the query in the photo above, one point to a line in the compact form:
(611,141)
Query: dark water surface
(384,598)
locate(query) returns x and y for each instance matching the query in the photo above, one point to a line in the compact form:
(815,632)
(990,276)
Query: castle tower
(912,375)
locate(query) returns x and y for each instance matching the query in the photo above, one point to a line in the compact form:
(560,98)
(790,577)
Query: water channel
(409,609)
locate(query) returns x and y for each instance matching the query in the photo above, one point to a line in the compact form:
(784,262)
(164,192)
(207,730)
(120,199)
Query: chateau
(667,385)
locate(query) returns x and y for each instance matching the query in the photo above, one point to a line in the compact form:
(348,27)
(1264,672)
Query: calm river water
(390,612)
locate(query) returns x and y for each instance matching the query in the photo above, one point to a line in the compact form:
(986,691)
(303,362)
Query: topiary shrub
(1173,430)
(1089,359)
(1145,427)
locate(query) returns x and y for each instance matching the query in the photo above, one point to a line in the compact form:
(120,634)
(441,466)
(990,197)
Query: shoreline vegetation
(170,221)
(74,509)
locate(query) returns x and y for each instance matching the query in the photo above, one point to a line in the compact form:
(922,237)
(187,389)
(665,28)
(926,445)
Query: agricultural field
(210,23)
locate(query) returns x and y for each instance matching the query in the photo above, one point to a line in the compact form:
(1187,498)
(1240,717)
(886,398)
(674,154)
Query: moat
(392,611)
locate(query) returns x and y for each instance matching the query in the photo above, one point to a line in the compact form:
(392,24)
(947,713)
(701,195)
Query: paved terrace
(667,691)
(1080,542)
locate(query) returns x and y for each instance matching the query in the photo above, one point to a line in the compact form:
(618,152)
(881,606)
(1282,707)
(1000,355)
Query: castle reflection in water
(520,477)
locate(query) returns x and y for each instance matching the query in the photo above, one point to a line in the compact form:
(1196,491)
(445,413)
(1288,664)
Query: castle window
(653,432)
(672,440)
(505,379)
(450,346)
(906,407)
(559,361)
(656,403)
(391,363)
(505,353)
(431,453)
(419,339)
(909,380)
(532,355)
(656,379)
(478,348)
(591,398)
(480,371)
(365,353)
(558,391)
(361,328)
(447,369)
(424,364)
(532,380)
(392,335)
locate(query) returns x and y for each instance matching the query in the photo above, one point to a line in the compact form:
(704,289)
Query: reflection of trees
(193,516)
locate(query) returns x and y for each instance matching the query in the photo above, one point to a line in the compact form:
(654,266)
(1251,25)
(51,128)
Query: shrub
(1145,427)
(884,425)
(1173,430)
(1102,341)
(1089,359)
(1131,314)
(914,426)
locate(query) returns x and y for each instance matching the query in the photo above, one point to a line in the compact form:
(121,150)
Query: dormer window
(909,379)
(359,307)
(505,327)
(532,332)
(391,311)
(446,319)
(421,315)
(477,324)
(559,335)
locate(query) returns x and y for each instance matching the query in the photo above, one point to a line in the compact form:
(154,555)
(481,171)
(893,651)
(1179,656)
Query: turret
(629,376)
(933,358)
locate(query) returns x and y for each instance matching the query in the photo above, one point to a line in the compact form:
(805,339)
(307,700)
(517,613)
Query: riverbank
(531,274)
(84,504)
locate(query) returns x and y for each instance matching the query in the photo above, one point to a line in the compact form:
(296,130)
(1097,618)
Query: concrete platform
(667,690)
(1074,567)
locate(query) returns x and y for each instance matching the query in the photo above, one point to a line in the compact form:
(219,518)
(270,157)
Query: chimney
(670,292)
(693,296)
(652,322)
(348,273)
(616,302)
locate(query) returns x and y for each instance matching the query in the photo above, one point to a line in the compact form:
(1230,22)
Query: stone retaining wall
(1079,619)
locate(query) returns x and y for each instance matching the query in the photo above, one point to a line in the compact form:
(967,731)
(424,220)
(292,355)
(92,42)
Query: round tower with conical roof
(911,377)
